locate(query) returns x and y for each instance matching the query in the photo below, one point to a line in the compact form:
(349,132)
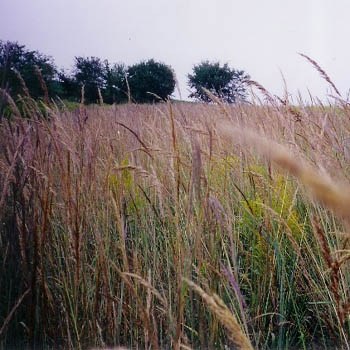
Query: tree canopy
(115,88)
(150,81)
(23,71)
(222,81)
(26,72)
(89,72)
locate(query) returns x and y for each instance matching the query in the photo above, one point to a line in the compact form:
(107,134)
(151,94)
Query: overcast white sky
(261,37)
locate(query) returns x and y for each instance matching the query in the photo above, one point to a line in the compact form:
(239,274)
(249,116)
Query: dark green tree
(115,88)
(18,65)
(222,81)
(150,81)
(70,89)
(89,71)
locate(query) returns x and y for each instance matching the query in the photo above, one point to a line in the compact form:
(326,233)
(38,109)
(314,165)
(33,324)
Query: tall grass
(175,225)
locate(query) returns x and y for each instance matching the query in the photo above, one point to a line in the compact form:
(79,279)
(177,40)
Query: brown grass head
(224,315)
(322,72)
(42,84)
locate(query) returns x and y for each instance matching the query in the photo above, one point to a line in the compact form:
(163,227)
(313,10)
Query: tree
(89,71)
(95,74)
(222,81)
(115,89)
(150,81)
(23,71)
(70,89)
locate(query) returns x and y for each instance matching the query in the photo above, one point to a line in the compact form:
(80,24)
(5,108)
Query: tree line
(31,73)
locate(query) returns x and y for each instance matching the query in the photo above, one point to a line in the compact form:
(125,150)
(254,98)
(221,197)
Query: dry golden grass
(109,213)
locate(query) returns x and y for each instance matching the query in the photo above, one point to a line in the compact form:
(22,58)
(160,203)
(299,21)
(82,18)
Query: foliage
(22,71)
(115,88)
(221,81)
(69,87)
(89,72)
(150,81)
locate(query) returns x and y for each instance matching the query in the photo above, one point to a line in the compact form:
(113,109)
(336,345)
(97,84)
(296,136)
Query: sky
(262,37)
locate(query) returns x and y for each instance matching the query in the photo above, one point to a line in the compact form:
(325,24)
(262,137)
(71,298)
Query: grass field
(175,225)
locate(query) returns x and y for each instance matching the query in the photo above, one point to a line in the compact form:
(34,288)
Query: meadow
(175,225)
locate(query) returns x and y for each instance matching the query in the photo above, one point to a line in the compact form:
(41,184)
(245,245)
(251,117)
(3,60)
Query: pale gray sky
(260,36)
